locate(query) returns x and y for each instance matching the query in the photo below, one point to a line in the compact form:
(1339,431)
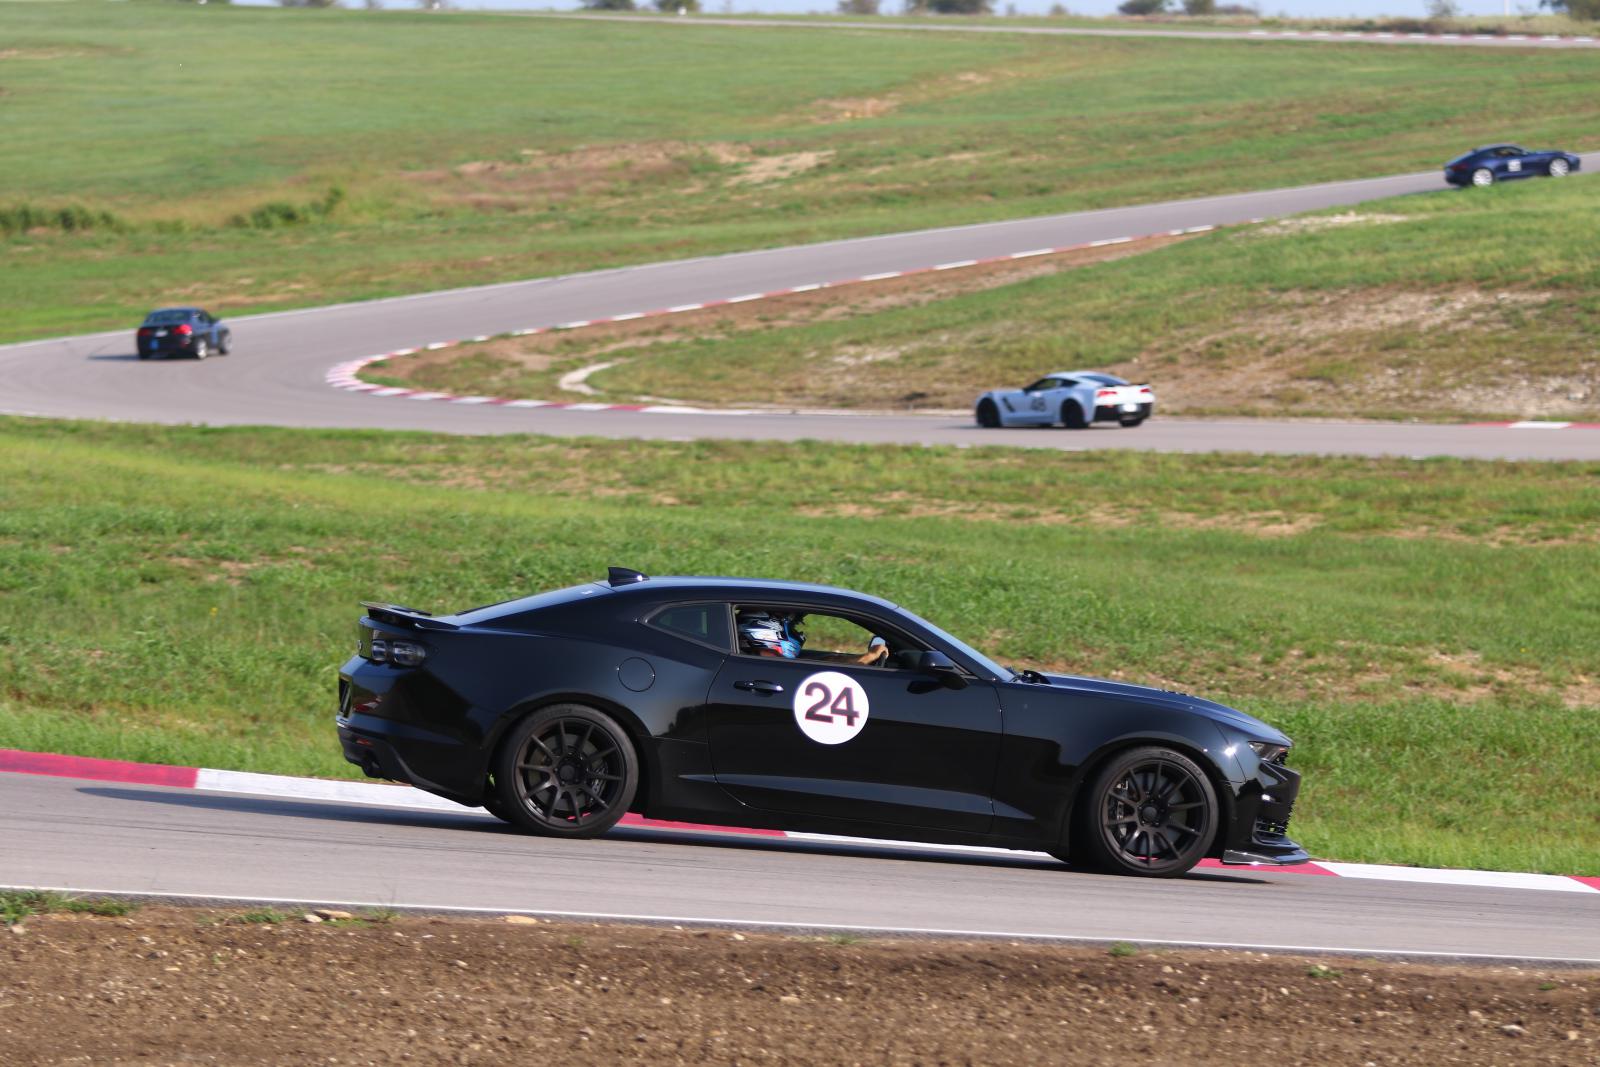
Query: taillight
(1144,390)
(144,331)
(398,652)
(184,330)
(1104,392)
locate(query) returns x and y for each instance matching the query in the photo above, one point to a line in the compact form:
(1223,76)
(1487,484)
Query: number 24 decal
(837,705)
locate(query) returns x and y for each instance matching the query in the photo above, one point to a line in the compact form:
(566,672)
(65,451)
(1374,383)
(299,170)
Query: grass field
(249,158)
(1479,304)
(1423,629)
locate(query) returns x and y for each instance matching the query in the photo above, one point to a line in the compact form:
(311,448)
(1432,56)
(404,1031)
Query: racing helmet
(763,631)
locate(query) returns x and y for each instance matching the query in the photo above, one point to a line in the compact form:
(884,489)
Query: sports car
(780,705)
(1074,399)
(182,332)
(1503,162)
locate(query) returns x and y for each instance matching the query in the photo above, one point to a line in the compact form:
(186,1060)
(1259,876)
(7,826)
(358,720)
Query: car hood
(1218,713)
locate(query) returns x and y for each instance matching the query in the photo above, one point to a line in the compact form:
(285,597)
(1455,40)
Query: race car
(182,331)
(799,707)
(1075,399)
(1502,162)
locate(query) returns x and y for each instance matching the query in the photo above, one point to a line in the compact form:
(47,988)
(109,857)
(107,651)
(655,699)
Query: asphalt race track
(276,374)
(108,837)
(1448,40)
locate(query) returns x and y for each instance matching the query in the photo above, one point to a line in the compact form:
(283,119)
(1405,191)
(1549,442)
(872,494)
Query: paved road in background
(1449,40)
(103,837)
(276,375)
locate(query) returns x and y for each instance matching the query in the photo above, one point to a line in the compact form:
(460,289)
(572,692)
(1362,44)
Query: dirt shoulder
(171,985)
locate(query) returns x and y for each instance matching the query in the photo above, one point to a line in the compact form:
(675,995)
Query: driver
(766,633)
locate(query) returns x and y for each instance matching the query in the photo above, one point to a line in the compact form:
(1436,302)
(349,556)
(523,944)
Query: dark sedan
(1503,162)
(800,707)
(182,332)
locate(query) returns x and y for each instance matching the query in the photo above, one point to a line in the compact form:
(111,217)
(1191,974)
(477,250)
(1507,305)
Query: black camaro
(800,707)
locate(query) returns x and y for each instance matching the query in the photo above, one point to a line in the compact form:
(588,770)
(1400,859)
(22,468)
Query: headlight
(1269,752)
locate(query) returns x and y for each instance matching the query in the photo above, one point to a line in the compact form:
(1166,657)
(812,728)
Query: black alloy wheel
(566,771)
(988,415)
(1151,811)
(1072,416)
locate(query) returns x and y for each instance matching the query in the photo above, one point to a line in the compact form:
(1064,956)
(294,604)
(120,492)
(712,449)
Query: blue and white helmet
(763,631)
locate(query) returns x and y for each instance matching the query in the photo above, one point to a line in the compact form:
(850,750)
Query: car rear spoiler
(411,618)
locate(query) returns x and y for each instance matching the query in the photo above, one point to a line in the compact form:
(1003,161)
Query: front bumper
(1261,811)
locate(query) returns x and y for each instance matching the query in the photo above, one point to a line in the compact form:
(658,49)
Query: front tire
(1559,168)
(1151,811)
(1072,416)
(566,771)
(224,344)
(988,415)
(1483,177)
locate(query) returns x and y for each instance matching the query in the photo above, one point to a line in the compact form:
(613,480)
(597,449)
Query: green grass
(1451,305)
(1423,629)
(306,156)
(18,905)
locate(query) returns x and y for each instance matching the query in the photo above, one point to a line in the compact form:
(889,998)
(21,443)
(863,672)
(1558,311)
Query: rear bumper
(1114,412)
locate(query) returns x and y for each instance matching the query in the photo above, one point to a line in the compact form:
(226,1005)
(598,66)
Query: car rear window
(707,623)
(167,318)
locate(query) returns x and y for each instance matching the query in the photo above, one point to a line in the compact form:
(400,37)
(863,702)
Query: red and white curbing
(15,761)
(344,375)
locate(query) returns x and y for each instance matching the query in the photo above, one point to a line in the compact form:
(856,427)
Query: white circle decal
(830,707)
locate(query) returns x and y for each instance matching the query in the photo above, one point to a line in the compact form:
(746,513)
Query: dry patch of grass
(532,366)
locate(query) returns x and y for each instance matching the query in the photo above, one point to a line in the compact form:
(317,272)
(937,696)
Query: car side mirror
(941,668)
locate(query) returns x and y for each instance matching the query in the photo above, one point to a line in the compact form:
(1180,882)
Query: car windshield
(170,317)
(994,669)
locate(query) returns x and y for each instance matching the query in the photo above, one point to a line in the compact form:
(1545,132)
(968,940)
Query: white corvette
(1074,399)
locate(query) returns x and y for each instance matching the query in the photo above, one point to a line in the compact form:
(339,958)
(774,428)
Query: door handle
(765,688)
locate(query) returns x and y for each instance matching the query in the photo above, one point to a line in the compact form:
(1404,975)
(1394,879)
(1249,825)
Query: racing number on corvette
(830,708)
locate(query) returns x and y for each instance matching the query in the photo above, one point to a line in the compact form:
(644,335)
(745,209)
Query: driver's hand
(875,655)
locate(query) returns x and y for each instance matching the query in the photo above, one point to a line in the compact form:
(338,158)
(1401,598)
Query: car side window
(706,623)
(1041,385)
(826,637)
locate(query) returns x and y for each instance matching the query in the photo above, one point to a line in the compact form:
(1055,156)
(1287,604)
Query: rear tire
(988,414)
(1151,812)
(1483,177)
(1130,423)
(1559,168)
(201,349)
(1072,416)
(565,771)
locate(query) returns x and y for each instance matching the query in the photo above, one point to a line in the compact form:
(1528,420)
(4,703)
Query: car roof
(158,311)
(1492,147)
(1081,374)
(694,585)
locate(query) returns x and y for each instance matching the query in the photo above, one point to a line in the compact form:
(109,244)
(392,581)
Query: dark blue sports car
(1502,162)
(183,332)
